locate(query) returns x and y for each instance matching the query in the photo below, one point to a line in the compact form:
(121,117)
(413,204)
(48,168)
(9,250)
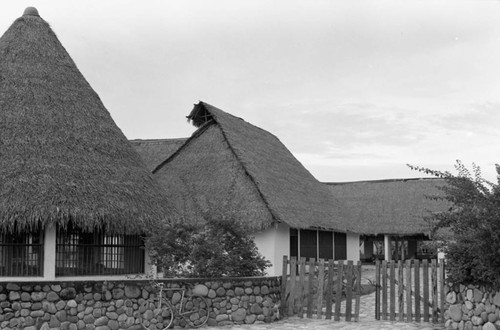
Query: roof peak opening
(200,115)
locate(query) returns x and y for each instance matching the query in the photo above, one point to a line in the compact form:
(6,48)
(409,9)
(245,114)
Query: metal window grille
(97,253)
(21,254)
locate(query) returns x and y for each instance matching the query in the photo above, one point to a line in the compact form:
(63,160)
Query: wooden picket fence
(321,288)
(410,291)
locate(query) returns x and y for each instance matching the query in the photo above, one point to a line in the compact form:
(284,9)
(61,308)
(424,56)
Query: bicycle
(193,310)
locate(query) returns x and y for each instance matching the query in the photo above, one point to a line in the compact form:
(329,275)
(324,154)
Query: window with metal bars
(21,254)
(97,253)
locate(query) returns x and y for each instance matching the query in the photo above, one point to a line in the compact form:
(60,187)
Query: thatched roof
(154,151)
(229,163)
(62,157)
(395,207)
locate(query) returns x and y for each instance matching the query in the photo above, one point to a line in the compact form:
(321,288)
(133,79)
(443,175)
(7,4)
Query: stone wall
(472,308)
(112,305)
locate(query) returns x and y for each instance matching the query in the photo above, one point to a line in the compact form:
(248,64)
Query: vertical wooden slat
(284,285)
(302,289)
(441,289)
(392,315)
(348,301)
(293,278)
(377,289)
(417,290)
(408,292)
(338,295)
(434,291)
(357,306)
(321,282)
(310,292)
(384,290)
(401,301)
(425,274)
(329,289)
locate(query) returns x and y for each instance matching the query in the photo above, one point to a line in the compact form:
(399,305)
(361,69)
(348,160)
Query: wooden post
(293,278)
(434,291)
(284,280)
(393,291)
(321,282)
(348,298)
(384,290)
(401,301)
(358,292)
(338,294)
(329,290)
(408,291)
(377,290)
(310,293)
(302,289)
(417,290)
(425,273)
(441,289)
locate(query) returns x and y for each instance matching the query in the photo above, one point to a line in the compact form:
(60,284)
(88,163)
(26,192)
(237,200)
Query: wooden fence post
(434,291)
(384,290)
(358,292)
(377,290)
(441,289)
(417,290)
(302,289)
(329,290)
(393,291)
(284,280)
(338,294)
(321,282)
(426,289)
(348,299)
(401,301)
(408,291)
(310,293)
(293,278)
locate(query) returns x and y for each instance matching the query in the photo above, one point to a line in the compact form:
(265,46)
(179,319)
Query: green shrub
(469,232)
(218,247)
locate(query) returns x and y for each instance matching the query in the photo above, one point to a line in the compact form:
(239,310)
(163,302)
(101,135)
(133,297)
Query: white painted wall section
(273,243)
(352,242)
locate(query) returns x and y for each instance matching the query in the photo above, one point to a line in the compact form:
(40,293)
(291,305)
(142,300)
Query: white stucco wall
(352,247)
(274,243)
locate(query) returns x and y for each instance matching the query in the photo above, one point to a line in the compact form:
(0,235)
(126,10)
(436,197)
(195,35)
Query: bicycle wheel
(195,311)
(157,316)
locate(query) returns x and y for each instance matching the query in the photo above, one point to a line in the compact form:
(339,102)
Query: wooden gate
(410,291)
(321,288)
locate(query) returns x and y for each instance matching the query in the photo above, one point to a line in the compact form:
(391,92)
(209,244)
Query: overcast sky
(354,89)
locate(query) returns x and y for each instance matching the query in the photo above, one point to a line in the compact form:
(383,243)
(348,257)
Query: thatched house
(236,169)
(75,197)
(391,214)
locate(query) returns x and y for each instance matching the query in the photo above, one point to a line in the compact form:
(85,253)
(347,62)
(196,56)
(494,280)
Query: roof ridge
(379,181)
(188,140)
(158,140)
(229,114)
(250,176)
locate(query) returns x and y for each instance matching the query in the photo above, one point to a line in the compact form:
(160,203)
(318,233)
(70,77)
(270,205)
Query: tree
(469,231)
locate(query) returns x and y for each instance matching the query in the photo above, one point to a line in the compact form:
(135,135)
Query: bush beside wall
(112,305)
(472,308)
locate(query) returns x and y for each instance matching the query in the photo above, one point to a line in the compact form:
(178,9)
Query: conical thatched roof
(228,159)
(393,207)
(62,157)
